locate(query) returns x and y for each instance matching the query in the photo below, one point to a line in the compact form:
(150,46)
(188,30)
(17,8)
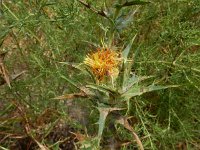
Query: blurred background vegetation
(36,35)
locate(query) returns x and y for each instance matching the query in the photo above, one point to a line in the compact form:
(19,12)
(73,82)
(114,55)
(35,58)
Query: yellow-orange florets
(103,63)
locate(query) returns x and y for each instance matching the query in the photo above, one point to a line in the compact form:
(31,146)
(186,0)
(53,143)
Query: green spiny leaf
(132,81)
(126,51)
(138,90)
(125,69)
(74,65)
(104,111)
(103,89)
(76,85)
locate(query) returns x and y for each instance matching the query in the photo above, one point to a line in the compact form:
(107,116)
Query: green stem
(113,28)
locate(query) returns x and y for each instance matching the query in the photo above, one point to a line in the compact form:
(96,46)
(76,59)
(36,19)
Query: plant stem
(113,28)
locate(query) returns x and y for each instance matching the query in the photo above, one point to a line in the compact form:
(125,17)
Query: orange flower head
(103,63)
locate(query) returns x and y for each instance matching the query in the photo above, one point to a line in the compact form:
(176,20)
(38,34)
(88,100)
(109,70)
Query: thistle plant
(111,83)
